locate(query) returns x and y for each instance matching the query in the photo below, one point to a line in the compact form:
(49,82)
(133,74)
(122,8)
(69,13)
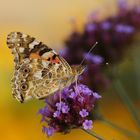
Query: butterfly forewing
(39,70)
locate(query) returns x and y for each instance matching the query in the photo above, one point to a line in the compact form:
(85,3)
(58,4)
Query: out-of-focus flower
(106,25)
(96,59)
(122,4)
(124,29)
(70,112)
(114,35)
(91,27)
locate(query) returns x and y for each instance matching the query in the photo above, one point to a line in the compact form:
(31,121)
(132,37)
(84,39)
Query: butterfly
(39,71)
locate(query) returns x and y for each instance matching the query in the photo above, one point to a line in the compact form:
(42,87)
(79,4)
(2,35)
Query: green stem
(127,101)
(133,135)
(93,134)
(124,131)
(137,71)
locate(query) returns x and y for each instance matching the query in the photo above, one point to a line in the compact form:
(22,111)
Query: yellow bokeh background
(48,20)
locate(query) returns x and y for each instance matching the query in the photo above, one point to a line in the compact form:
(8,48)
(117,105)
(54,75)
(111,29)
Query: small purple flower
(73,95)
(56,114)
(44,129)
(49,131)
(83,89)
(96,95)
(83,113)
(87,124)
(59,105)
(87,91)
(81,99)
(65,109)
(44,111)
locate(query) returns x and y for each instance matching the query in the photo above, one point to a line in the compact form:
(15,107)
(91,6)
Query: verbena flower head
(74,110)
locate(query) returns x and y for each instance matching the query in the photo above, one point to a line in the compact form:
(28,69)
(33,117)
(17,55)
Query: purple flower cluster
(129,15)
(74,110)
(114,34)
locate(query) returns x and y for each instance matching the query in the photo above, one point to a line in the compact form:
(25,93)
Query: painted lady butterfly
(39,70)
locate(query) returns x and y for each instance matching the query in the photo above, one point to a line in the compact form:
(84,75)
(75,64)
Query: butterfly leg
(76,86)
(60,96)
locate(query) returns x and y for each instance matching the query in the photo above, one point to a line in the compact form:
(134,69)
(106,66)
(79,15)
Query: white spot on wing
(24,35)
(14,50)
(47,54)
(31,45)
(45,63)
(18,44)
(54,52)
(38,75)
(14,34)
(21,49)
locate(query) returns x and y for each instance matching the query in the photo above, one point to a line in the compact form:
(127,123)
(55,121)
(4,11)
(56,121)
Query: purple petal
(73,95)
(59,105)
(44,129)
(65,109)
(49,131)
(96,95)
(44,111)
(81,99)
(56,114)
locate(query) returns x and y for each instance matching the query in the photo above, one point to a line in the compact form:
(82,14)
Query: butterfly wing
(39,70)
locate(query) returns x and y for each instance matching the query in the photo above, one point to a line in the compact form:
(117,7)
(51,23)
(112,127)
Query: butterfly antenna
(89,52)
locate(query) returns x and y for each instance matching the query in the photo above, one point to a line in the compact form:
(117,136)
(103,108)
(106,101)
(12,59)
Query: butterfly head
(78,70)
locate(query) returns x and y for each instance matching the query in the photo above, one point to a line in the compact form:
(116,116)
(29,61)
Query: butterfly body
(39,70)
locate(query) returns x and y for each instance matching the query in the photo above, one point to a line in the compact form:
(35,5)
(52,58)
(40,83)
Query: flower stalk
(120,129)
(124,131)
(93,134)
(127,101)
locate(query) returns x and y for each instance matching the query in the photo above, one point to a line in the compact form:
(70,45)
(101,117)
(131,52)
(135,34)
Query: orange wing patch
(35,56)
(56,60)
(49,58)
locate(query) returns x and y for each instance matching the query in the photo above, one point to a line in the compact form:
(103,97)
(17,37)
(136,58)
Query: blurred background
(59,24)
